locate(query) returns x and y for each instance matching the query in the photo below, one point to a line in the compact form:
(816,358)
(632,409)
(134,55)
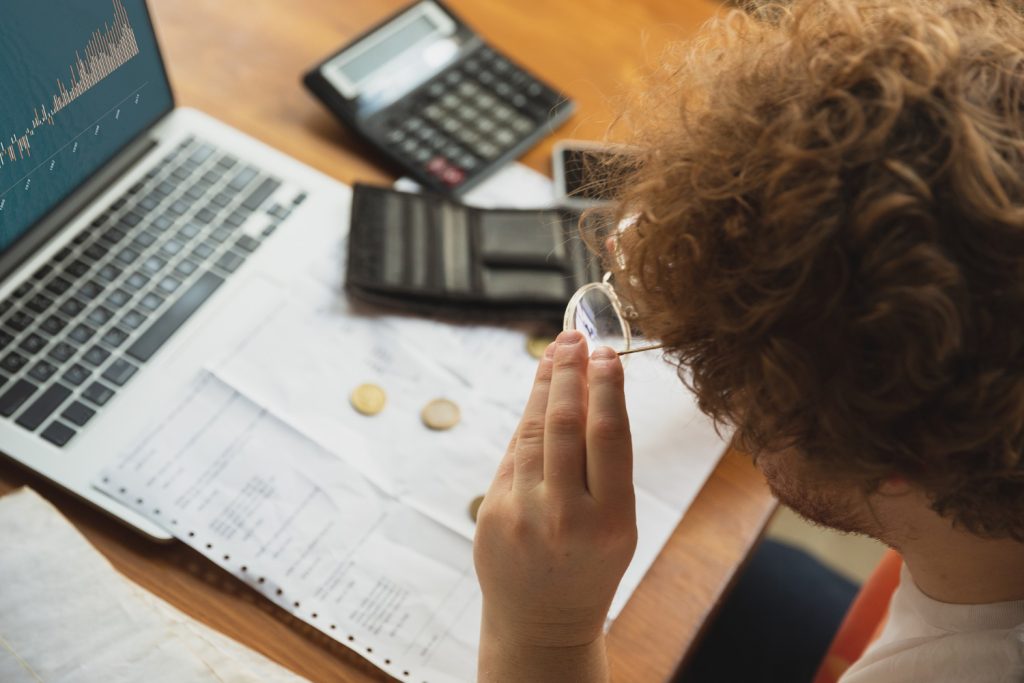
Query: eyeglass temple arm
(642,348)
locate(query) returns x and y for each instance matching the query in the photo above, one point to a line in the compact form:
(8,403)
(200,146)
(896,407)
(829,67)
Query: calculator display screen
(388,47)
(397,56)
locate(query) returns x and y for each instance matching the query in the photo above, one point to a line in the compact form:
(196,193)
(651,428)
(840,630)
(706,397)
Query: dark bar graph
(106,51)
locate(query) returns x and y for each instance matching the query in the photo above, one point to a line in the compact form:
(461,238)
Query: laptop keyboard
(77,331)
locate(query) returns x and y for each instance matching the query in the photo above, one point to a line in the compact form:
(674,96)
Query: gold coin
(536,346)
(368,399)
(440,414)
(474,507)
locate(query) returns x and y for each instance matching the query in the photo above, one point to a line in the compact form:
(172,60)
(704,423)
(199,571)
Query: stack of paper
(67,615)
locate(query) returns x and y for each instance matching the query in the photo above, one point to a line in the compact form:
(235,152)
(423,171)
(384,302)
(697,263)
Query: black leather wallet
(428,254)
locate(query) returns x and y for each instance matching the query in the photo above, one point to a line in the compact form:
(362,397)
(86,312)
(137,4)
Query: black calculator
(435,99)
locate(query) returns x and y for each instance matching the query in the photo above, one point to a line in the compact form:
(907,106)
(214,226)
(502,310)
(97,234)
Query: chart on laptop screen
(77,82)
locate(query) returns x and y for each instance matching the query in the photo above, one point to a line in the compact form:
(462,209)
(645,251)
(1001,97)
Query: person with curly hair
(826,232)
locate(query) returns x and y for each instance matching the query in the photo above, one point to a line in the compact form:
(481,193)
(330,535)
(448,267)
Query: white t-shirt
(936,642)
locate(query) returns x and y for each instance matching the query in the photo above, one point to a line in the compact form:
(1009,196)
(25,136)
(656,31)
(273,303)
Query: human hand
(557,528)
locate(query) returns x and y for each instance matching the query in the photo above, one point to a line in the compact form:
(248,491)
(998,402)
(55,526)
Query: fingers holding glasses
(565,424)
(527,449)
(609,444)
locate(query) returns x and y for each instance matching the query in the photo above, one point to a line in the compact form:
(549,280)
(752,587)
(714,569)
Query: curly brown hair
(829,239)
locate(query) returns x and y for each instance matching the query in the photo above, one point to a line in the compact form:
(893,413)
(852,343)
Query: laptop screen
(80,80)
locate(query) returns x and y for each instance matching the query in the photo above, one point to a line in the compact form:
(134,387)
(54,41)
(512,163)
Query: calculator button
(396,136)
(503,89)
(434,112)
(414,124)
(453,78)
(467,161)
(451,126)
(505,137)
(453,176)
(471,66)
(467,113)
(450,100)
(436,89)
(535,89)
(521,124)
(518,100)
(502,113)
(452,150)
(485,100)
(485,125)
(468,136)
(486,77)
(487,150)
(437,165)
(500,65)
(422,154)
(409,146)
(469,89)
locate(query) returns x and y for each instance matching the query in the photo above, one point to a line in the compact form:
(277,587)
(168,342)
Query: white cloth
(937,642)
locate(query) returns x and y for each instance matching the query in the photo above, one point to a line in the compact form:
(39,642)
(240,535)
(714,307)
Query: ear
(894,485)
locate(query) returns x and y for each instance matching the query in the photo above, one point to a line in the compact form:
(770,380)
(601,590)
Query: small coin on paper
(440,414)
(474,507)
(368,399)
(536,345)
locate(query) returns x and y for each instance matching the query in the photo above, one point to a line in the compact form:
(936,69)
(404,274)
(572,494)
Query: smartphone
(585,172)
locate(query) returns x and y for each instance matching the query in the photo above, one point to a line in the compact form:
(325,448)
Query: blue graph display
(78,81)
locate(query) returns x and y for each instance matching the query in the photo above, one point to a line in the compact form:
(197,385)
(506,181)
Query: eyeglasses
(596,311)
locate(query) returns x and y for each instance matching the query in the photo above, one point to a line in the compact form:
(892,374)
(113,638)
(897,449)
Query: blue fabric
(776,624)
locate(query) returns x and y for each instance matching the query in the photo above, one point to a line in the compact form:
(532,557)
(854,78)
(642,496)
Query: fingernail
(549,352)
(569,337)
(603,353)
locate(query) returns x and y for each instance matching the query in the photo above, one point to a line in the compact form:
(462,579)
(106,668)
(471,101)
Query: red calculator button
(437,166)
(452,176)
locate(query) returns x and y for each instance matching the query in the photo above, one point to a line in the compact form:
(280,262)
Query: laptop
(127,226)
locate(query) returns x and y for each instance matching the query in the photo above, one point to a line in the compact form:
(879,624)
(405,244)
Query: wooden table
(240,60)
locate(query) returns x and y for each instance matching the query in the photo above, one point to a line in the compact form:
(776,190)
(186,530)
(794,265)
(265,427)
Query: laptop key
(115,337)
(52,325)
(14,397)
(42,371)
(118,298)
(133,319)
(39,303)
(82,333)
(13,362)
(78,268)
(151,301)
(77,374)
(153,264)
(58,286)
(72,307)
(32,344)
(185,267)
(110,272)
(247,243)
(127,256)
(202,251)
(96,355)
(78,413)
(98,394)
(136,280)
(113,235)
(5,339)
(119,372)
(99,316)
(43,407)
(244,177)
(173,318)
(61,352)
(22,291)
(260,194)
(58,434)
(95,252)
(19,321)
(90,290)
(230,261)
